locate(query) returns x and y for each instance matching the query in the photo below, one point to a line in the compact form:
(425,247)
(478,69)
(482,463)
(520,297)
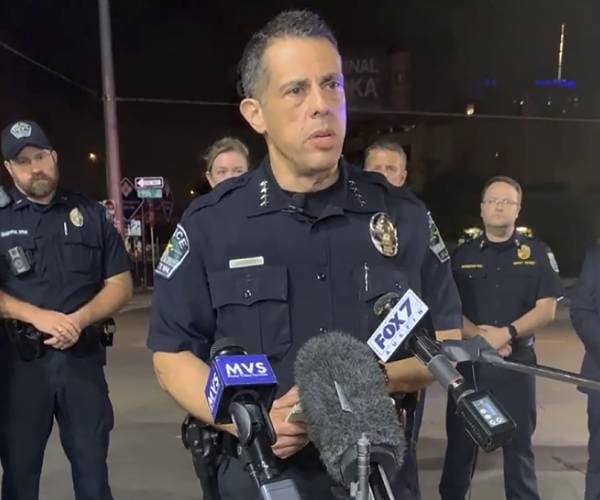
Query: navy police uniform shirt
(57,256)
(272,269)
(585,313)
(500,282)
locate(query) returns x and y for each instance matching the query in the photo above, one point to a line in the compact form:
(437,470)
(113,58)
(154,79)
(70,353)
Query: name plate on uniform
(246,262)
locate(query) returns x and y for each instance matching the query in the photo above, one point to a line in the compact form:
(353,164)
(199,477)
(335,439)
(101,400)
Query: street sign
(126,187)
(149,193)
(131,203)
(134,227)
(149,182)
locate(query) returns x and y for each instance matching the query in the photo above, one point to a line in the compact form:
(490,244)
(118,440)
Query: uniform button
(322,330)
(321,276)
(397,285)
(497,285)
(247,294)
(498,269)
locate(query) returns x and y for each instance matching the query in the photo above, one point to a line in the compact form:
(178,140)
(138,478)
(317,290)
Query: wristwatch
(513,332)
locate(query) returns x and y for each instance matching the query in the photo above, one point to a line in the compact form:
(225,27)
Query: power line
(442,114)
(366,111)
(53,72)
(161,100)
(196,102)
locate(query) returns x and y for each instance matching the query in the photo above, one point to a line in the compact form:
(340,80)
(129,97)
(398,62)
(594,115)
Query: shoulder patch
(436,243)
(552,260)
(177,250)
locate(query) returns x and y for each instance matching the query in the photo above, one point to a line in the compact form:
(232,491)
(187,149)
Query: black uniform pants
(592,476)
(516,392)
(72,390)
(406,485)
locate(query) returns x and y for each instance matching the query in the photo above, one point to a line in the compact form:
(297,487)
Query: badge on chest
(383,234)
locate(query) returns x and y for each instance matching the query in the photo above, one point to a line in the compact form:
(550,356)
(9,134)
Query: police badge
(76,217)
(383,234)
(20,130)
(524,252)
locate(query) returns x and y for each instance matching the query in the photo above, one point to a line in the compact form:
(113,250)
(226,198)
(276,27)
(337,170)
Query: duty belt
(29,341)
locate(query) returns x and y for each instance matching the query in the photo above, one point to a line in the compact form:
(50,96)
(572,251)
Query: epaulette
(380,180)
(214,196)
(375,178)
(75,198)
(407,194)
(472,242)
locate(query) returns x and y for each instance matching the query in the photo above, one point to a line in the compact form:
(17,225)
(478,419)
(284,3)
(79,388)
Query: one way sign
(149,182)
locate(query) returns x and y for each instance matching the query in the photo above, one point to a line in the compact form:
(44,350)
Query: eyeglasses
(504,202)
(23,161)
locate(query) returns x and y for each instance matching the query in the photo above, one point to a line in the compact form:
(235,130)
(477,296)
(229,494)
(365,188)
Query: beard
(40,186)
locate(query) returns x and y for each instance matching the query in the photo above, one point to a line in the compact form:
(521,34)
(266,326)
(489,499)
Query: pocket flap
(248,285)
(79,237)
(471,272)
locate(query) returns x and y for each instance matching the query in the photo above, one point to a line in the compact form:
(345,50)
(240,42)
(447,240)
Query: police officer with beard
(64,273)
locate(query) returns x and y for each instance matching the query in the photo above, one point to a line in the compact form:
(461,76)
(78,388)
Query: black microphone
(406,323)
(240,389)
(344,397)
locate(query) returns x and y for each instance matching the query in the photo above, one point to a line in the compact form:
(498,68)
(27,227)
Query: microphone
(408,324)
(236,375)
(240,389)
(344,398)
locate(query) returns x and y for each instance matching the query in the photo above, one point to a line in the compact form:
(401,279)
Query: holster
(208,447)
(26,339)
(92,337)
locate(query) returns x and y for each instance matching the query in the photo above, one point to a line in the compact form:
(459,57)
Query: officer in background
(292,249)
(585,315)
(388,158)
(65,272)
(226,158)
(509,285)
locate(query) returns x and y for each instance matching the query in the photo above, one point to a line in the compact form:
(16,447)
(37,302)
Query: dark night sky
(189,49)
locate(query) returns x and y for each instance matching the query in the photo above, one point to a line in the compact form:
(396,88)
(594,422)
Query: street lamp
(93,157)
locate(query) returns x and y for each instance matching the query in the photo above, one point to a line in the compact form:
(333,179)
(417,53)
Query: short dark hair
(288,24)
(506,180)
(386,144)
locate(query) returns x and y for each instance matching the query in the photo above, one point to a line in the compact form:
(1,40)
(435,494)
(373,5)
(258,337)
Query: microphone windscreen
(343,395)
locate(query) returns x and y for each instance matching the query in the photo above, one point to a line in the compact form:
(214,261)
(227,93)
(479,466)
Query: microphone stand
(371,482)
(477,349)
(256,436)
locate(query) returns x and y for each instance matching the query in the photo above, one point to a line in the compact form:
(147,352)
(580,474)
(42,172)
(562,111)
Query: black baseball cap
(23,133)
